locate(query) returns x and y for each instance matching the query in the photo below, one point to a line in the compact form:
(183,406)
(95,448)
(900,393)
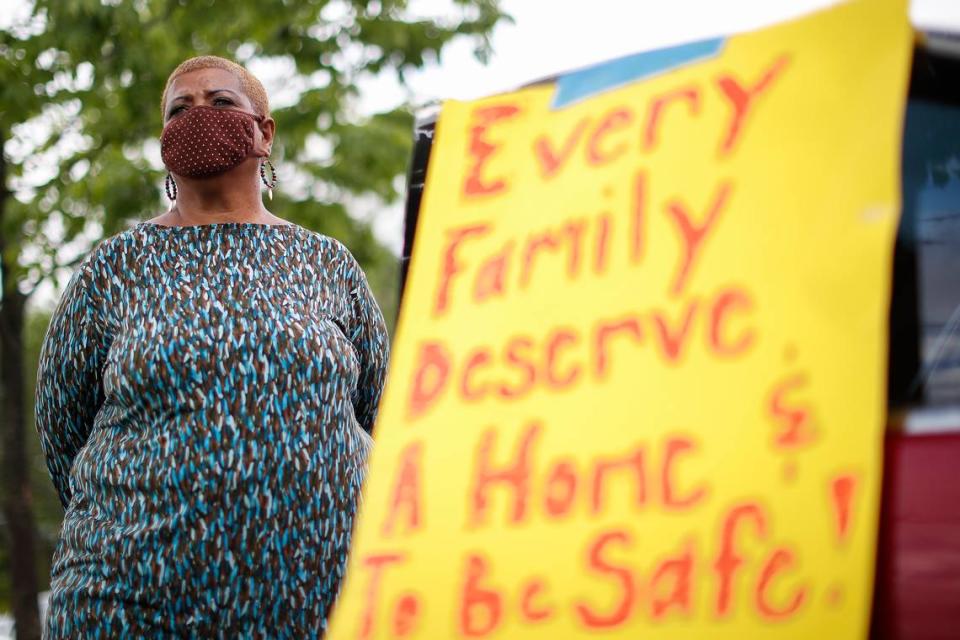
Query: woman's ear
(264,141)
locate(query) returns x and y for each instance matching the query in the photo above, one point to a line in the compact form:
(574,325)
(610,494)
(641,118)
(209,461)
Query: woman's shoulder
(111,256)
(117,242)
(331,251)
(325,242)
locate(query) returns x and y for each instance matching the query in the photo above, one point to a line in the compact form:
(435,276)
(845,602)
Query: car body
(918,554)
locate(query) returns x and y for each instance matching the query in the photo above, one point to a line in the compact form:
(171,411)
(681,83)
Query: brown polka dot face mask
(204,141)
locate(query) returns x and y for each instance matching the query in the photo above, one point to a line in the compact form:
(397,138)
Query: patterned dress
(205,397)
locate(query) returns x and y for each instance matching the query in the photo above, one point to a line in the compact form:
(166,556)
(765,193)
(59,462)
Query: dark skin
(232,196)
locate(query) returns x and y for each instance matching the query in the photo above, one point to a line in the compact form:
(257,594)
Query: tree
(80,82)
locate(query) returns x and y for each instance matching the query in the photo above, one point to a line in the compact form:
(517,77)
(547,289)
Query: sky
(553,35)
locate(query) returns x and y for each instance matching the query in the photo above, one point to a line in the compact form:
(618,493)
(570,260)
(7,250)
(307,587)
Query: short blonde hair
(248,82)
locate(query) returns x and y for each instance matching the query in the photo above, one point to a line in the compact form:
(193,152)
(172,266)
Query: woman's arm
(69,390)
(369,336)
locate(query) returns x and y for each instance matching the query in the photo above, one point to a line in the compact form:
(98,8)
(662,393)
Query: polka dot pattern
(205,141)
(204,400)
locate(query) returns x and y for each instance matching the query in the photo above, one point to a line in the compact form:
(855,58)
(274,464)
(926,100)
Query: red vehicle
(918,560)
(917,593)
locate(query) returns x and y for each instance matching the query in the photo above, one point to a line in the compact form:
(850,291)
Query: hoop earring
(273,177)
(170,186)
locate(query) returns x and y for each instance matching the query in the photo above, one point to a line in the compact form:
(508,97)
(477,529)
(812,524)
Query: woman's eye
(222,101)
(175,111)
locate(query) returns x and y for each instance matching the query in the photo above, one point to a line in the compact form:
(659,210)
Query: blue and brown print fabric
(205,400)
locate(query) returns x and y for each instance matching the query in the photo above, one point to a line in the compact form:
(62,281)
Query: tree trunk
(14,461)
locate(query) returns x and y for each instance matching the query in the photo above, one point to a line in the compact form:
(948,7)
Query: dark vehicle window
(925,313)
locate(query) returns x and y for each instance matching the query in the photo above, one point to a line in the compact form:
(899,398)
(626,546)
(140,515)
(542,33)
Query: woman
(206,389)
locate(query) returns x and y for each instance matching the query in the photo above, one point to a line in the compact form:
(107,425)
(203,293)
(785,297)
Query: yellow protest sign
(638,382)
